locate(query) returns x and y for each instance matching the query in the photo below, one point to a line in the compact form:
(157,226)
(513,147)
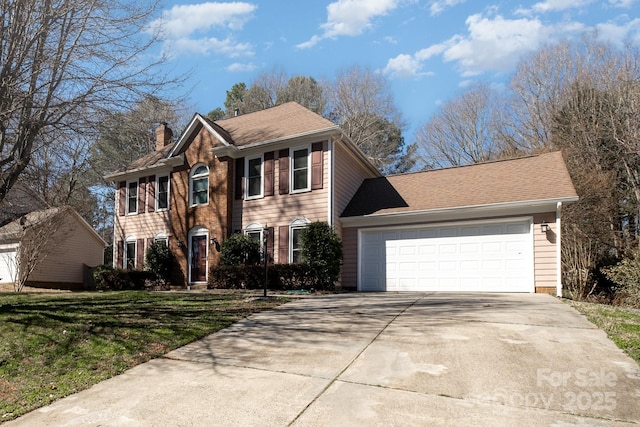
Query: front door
(198,271)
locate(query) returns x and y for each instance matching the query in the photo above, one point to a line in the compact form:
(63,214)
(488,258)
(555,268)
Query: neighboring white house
(54,245)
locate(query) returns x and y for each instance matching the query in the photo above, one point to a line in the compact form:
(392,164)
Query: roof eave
(234,151)
(458,212)
(161,164)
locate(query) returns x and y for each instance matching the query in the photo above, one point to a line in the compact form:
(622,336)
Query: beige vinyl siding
(67,255)
(146,225)
(545,251)
(282,209)
(349,174)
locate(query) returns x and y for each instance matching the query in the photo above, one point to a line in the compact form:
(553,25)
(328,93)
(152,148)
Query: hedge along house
(492,227)
(266,174)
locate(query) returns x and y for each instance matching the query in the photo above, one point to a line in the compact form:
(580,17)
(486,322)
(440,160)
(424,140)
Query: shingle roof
(282,121)
(532,178)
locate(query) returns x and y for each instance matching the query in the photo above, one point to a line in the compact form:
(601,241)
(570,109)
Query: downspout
(558,252)
(331,172)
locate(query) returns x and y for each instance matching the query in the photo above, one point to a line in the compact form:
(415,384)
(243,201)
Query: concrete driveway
(377,359)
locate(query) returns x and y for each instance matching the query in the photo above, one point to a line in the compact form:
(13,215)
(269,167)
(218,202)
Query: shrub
(626,276)
(109,279)
(240,249)
(322,252)
(280,277)
(158,260)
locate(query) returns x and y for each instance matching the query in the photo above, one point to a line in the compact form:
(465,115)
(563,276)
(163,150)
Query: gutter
(161,164)
(455,210)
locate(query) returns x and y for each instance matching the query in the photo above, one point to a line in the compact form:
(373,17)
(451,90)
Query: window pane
(201,170)
(200,193)
(254,235)
(132,205)
(200,198)
(300,158)
(300,179)
(254,187)
(255,167)
(163,192)
(131,255)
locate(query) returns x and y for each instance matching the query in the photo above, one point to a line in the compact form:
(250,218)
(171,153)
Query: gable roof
(529,179)
(279,123)
(13,231)
(19,201)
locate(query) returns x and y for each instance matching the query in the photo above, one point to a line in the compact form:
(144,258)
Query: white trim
(531,273)
(297,224)
(200,176)
(558,251)
(126,202)
(246,179)
(456,213)
(254,227)
(198,231)
(157,192)
(291,169)
(191,127)
(161,236)
(331,175)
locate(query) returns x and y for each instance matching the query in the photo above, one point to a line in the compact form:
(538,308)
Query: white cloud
(179,25)
(205,46)
(350,18)
(491,44)
(626,4)
(559,5)
(438,6)
(618,34)
(184,20)
(238,67)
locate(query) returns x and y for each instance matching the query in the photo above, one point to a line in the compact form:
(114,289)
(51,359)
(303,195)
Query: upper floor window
(300,170)
(254,178)
(161,238)
(162,198)
(132,197)
(199,185)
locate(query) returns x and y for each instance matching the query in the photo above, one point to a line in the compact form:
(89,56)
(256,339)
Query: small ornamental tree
(158,260)
(322,251)
(240,249)
(626,275)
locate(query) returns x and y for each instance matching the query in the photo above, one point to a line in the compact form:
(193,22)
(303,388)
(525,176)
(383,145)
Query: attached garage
(462,257)
(488,227)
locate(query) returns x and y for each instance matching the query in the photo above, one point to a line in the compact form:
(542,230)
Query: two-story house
(272,171)
(492,227)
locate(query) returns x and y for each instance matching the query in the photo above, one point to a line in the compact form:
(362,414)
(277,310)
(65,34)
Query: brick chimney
(163,136)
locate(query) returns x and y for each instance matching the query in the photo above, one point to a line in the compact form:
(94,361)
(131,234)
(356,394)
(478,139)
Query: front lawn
(622,325)
(54,345)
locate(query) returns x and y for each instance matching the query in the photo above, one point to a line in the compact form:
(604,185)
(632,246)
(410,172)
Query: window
(130,253)
(254,178)
(199,185)
(300,170)
(254,231)
(161,238)
(132,197)
(162,198)
(295,243)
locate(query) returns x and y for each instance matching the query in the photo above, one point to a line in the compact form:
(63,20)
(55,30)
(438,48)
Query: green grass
(53,345)
(622,325)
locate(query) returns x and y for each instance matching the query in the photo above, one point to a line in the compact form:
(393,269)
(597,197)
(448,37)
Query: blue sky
(429,50)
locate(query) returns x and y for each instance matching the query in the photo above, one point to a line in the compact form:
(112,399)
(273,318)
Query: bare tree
(62,65)
(462,131)
(360,101)
(39,234)
(306,91)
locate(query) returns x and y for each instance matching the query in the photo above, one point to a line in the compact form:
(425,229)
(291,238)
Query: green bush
(240,249)
(110,279)
(158,260)
(626,276)
(322,252)
(280,277)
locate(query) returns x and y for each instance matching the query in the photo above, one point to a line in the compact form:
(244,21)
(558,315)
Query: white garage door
(482,257)
(7,262)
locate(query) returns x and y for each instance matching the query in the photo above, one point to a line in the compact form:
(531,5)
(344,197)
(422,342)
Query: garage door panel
(477,257)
